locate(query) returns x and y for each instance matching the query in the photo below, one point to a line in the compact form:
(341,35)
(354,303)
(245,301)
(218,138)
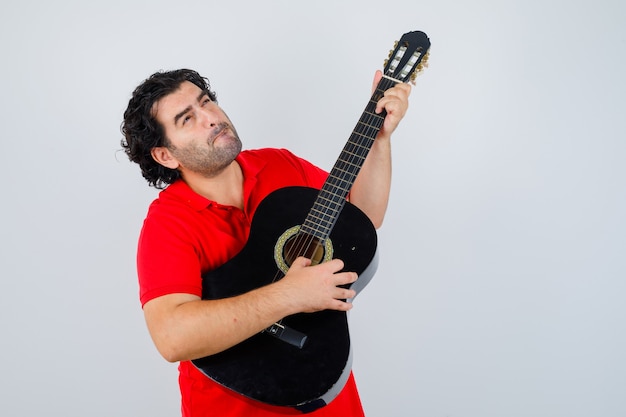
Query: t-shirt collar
(250,165)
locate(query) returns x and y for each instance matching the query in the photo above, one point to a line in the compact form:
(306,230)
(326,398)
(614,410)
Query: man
(180,137)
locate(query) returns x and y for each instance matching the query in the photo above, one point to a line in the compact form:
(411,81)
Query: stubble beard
(207,159)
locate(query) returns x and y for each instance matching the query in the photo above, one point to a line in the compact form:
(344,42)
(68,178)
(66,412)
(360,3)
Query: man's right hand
(316,288)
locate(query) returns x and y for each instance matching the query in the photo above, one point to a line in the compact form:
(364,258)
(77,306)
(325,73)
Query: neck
(225,188)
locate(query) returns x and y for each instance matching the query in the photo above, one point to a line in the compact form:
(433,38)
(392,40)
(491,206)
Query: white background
(502,279)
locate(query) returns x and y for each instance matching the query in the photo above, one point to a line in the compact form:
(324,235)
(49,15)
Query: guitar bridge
(287,334)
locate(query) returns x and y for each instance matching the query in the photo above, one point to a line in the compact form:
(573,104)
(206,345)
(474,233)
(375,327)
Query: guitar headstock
(408,58)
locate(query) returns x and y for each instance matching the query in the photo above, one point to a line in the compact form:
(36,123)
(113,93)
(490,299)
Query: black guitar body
(264,367)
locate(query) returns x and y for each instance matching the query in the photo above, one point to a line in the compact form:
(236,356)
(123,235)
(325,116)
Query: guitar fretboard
(332,197)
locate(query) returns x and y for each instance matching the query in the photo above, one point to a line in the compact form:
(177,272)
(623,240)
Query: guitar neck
(332,197)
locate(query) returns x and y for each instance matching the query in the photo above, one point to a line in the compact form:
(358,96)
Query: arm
(184,327)
(370,191)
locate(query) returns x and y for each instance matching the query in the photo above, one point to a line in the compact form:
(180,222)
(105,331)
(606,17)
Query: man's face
(201,137)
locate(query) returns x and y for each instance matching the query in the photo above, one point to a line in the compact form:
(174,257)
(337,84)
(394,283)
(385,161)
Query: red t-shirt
(185,235)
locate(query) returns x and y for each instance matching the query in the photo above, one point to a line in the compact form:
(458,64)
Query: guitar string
(333,194)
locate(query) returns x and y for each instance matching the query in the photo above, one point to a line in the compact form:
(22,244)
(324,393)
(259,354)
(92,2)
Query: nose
(208,116)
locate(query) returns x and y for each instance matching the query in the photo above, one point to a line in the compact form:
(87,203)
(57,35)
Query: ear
(164,157)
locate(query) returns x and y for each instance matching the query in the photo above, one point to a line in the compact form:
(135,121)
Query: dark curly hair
(141,130)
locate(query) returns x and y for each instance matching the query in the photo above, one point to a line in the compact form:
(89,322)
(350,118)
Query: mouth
(221,129)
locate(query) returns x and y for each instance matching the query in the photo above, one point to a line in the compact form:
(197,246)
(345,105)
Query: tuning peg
(395,45)
(420,67)
(424,63)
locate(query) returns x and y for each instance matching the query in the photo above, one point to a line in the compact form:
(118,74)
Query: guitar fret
(324,215)
(374,115)
(328,203)
(322,221)
(352,159)
(321,215)
(348,157)
(321,211)
(346,174)
(367,133)
(370,114)
(320,234)
(318,231)
(343,173)
(354,150)
(366,129)
(322,208)
(364,141)
(339,188)
(334,188)
(337,196)
(368,122)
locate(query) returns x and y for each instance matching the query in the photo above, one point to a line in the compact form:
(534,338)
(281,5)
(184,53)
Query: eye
(206,100)
(186,119)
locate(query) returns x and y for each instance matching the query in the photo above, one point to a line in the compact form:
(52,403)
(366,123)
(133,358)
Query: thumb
(377,77)
(301,262)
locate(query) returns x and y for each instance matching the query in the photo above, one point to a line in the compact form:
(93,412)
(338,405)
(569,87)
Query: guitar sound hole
(303,245)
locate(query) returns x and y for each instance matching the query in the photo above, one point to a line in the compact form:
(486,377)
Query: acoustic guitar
(303,361)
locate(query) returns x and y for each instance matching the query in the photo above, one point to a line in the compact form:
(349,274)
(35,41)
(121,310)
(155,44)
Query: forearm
(184,327)
(370,191)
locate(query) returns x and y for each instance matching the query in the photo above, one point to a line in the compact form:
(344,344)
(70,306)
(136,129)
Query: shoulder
(175,214)
(178,197)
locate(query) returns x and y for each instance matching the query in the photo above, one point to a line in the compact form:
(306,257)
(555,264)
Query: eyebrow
(188,108)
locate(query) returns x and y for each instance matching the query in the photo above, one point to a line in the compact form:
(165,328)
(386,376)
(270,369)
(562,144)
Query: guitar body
(264,367)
